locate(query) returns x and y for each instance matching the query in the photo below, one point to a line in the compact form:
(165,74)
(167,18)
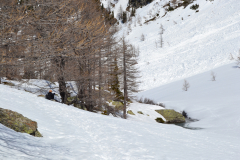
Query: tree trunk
(100,79)
(61,79)
(62,89)
(124,81)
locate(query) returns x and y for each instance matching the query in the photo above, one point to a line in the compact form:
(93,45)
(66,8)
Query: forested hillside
(60,41)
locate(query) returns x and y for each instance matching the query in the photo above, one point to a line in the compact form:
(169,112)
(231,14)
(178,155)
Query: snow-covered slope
(194,42)
(214,103)
(70,133)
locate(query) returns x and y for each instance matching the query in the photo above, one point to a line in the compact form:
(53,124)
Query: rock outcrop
(75,101)
(130,112)
(159,120)
(18,122)
(140,112)
(171,116)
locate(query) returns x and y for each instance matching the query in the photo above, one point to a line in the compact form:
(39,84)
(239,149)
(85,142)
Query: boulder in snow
(130,112)
(171,116)
(18,122)
(140,112)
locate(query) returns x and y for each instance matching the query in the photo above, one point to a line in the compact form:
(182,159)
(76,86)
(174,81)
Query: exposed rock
(8,83)
(140,112)
(118,105)
(130,112)
(18,122)
(159,120)
(75,101)
(171,116)
(41,95)
(104,112)
(72,99)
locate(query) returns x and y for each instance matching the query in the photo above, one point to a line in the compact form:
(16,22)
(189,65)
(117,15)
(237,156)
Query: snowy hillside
(194,42)
(71,133)
(214,103)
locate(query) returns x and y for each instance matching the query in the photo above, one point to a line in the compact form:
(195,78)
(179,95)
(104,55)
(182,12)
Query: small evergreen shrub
(194,7)
(124,19)
(170,8)
(184,114)
(133,12)
(138,3)
(149,101)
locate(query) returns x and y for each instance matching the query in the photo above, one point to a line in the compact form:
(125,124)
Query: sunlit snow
(195,43)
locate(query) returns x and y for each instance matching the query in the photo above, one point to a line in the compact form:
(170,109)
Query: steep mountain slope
(194,42)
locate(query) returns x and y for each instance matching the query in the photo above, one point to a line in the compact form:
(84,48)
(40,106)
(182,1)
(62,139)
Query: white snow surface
(194,46)
(71,133)
(214,103)
(194,42)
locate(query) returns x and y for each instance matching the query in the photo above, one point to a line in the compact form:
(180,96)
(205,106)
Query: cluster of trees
(139,3)
(67,40)
(122,15)
(125,16)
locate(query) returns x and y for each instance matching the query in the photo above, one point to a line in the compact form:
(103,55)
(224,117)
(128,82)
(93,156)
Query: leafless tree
(238,58)
(231,56)
(130,26)
(52,37)
(139,20)
(174,3)
(63,41)
(135,22)
(161,33)
(120,13)
(213,75)
(186,85)
(142,37)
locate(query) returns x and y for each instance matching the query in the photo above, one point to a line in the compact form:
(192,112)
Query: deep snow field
(193,47)
(71,133)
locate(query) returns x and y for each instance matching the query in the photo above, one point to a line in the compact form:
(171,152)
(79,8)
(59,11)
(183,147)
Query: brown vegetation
(61,40)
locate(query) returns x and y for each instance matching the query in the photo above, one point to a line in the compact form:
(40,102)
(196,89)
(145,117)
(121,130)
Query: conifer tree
(115,83)
(129,72)
(124,17)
